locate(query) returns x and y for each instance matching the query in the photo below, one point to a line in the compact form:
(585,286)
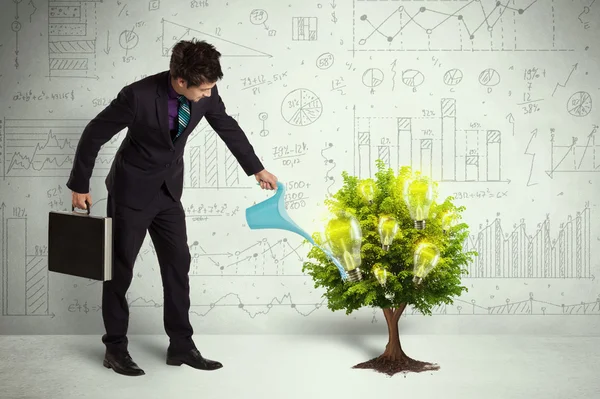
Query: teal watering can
(271,214)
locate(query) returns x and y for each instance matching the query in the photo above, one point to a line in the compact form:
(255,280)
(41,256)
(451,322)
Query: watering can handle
(279,185)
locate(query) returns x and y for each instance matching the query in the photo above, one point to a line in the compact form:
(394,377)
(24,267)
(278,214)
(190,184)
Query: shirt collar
(172,93)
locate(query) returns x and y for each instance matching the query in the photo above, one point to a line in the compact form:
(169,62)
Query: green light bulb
(366,189)
(418,196)
(343,238)
(388,227)
(426,258)
(449,220)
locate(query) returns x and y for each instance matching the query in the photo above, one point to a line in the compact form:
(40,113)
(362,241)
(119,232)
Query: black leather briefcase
(80,244)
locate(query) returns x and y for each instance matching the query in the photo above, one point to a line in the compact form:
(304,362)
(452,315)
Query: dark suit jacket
(147,156)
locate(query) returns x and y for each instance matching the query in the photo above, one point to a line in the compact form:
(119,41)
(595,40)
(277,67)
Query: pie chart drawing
(579,104)
(301,107)
(372,77)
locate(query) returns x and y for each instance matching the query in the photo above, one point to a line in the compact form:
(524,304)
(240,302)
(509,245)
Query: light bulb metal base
(385,247)
(354,275)
(419,224)
(417,280)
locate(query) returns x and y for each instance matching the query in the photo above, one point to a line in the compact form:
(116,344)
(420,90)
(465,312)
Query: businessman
(145,184)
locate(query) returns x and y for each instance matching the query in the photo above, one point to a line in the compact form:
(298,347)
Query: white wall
(517,104)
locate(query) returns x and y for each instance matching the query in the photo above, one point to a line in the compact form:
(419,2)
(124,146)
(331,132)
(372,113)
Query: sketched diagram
(523,254)
(209,164)
(301,107)
(483,25)
(71,38)
(577,156)
(173,32)
(25,275)
(580,104)
(432,143)
(46,147)
(304,28)
(452,77)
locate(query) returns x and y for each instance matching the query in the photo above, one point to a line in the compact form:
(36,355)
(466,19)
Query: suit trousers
(164,219)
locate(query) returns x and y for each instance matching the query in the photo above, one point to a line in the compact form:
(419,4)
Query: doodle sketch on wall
(495,100)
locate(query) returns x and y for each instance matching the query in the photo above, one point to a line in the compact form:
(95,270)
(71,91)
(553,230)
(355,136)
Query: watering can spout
(271,214)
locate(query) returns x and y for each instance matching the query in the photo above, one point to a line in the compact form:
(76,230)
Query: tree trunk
(393,360)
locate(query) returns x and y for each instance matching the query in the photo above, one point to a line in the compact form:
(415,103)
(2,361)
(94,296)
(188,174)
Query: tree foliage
(439,286)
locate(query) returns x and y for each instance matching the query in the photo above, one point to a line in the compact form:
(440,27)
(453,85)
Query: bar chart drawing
(432,145)
(72,38)
(46,147)
(519,254)
(576,156)
(24,276)
(210,163)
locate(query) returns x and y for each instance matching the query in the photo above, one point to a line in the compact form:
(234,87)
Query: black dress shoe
(122,363)
(192,358)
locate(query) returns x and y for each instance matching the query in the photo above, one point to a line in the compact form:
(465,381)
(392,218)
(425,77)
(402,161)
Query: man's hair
(196,62)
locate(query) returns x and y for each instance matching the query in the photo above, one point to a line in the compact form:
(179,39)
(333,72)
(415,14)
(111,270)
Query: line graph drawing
(445,153)
(461,307)
(574,157)
(470,25)
(72,38)
(257,258)
(173,32)
(519,254)
(25,279)
(45,147)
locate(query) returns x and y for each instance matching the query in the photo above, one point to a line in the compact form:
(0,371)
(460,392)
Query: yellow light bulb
(343,238)
(380,274)
(418,196)
(426,258)
(388,227)
(366,189)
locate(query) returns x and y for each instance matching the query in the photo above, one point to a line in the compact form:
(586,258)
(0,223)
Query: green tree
(399,290)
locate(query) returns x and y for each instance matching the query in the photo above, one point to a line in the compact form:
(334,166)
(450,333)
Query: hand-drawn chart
(209,162)
(72,39)
(45,147)
(304,28)
(173,32)
(576,156)
(481,25)
(520,254)
(301,107)
(25,278)
(453,155)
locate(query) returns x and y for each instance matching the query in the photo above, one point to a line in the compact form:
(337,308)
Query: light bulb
(426,258)
(388,227)
(343,238)
(418,196)
(449,220)
(381,275)
(366,189)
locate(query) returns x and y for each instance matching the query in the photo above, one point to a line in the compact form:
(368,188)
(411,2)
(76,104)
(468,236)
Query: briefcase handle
(87,204)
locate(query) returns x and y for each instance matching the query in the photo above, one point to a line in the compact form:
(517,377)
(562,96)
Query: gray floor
(287,367)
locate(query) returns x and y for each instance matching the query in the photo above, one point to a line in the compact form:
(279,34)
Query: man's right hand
(79,200)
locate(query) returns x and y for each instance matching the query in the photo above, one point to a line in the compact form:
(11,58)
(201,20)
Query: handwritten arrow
(107,49)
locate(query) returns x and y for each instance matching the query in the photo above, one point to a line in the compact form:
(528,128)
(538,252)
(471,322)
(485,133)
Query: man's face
(194,93)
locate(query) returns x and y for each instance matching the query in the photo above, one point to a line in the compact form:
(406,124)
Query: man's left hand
(267,180)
